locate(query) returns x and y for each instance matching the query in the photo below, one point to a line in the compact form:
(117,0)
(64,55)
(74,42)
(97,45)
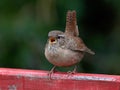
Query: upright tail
(71,23)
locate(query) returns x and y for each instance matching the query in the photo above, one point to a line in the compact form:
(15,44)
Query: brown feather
(71,24)
(77,44)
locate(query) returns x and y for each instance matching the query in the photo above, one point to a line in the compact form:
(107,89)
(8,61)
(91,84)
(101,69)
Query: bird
(64,49)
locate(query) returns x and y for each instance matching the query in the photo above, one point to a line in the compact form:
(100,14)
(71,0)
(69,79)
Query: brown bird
(65,49)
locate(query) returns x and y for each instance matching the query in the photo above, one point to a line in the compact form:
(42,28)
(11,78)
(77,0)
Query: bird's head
(55,37)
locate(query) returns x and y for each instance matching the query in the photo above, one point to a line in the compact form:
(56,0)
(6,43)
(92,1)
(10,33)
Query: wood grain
(21,79)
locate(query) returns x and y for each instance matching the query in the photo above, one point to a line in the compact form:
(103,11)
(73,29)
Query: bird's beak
(52,40)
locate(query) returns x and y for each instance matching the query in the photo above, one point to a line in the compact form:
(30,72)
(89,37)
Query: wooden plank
(21,79)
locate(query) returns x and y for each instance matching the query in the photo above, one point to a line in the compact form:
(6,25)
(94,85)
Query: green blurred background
(24,25)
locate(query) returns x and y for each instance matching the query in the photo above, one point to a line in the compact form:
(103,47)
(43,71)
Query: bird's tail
(90,51)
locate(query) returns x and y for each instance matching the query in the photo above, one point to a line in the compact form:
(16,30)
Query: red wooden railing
(20,79)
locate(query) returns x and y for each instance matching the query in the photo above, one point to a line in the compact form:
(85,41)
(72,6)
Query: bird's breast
(62,57)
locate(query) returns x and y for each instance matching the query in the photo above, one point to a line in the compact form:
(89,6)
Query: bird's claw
(51,72)
(72,72)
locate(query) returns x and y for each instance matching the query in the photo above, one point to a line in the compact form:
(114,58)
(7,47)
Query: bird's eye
(58,37)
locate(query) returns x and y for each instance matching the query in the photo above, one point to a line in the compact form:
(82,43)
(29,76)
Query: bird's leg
(75,69)
(51,72)
(72,72)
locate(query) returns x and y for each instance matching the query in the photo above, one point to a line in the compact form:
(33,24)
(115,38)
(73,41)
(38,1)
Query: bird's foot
(72,72)
(51,72)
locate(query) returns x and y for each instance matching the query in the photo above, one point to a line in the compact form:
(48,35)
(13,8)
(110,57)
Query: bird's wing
(71,24)
(76,43)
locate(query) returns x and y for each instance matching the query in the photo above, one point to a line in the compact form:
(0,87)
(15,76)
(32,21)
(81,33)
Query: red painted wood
(20,79)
